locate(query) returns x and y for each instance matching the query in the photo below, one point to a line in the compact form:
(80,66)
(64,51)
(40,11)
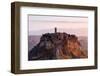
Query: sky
(40,24)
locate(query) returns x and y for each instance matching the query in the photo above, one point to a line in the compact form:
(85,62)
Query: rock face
(57,46)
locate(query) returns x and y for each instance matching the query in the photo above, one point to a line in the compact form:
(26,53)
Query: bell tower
(55,30)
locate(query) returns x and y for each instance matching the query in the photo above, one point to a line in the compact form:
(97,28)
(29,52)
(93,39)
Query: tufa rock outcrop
(57,46)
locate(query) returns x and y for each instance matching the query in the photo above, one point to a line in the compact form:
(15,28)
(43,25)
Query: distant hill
(32,41)
(84,42)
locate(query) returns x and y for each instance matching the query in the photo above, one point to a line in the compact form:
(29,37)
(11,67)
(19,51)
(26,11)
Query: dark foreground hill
(57,46)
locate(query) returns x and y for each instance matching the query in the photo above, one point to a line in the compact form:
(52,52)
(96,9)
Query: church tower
(55,30)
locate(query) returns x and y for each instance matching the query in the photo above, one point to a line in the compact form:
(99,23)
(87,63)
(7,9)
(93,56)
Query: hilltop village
(57,45)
